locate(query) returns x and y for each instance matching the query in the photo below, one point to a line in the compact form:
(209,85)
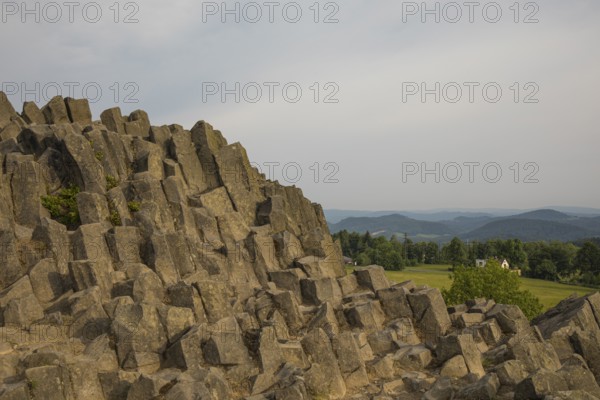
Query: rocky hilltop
(142,262)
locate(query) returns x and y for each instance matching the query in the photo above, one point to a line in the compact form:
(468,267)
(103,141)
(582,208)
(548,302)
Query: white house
(482,263)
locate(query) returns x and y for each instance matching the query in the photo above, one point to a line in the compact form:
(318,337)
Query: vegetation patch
(491,282)
(111,182)
(115,218)
(63,206)
(134,206)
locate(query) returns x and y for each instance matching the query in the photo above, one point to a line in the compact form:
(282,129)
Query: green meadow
(549,293)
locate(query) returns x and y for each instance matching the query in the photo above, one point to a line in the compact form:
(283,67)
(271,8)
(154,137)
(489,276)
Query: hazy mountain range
(442,225)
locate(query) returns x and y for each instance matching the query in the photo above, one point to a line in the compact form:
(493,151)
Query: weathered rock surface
(185,274)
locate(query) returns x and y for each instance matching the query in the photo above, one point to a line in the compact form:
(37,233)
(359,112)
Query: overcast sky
(360,134)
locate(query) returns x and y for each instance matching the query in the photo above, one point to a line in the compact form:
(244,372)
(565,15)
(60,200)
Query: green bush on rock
(63,206)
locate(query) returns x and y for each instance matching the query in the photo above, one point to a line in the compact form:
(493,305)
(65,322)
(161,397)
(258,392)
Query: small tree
(492,282)
(362,259)
(457,253)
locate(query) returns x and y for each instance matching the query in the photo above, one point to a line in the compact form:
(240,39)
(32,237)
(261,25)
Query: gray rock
(540,384)
(455,367)
(86,274)
(23,312)
(208,143)
(324,377)
(113,120)
(92,207)
(183,150)
(240,180)
(140,337)
(32,114)
(511,372)
(215,300)
(6,110)
(49,382)
(367,316)
(452,345)
(225,346)
(79,111)
(140,117)
(289,279)
(441,390)
(394,302)
(186,353)
(372,277)
(28,187)
(46,281)
(319,291)
(325,319)
(430,313)
(56,111)
(484,389)
(510,318)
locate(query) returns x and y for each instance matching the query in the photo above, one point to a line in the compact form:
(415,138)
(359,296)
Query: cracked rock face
(145,262)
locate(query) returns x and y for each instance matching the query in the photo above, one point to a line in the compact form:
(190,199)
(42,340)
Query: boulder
(225,346)
(367,315)
(49,382)
(86,274)
(464,345)
(113,120)
(46,281)
(79,111)
(93,208)
(430,313)
(6,110)
(215,300)
(511,372)
(23,312)
(240,180)
(217,202)
(184,152)
(540,384)
(289,279)
(139,337)
(372,277)
(455,367)
(324,377)
(394,302)
(319,291)
(32,114)
(484,389)
(56,111)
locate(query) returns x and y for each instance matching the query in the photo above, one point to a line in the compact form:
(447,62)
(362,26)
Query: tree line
(577,263)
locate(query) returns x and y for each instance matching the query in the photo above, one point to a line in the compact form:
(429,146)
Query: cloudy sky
(364,104)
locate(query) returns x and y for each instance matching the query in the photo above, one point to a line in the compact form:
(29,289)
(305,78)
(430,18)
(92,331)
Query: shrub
(492,282)
(114,218)
(134,206)
(63,206)
(111,182)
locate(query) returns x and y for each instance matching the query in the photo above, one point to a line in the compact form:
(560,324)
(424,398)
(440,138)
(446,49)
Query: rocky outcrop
(145,262)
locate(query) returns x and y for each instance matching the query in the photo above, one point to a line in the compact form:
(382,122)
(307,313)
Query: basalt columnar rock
(145,262)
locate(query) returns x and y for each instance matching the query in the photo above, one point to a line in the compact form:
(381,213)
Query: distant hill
(544,224)
(334,215)
(388,225)
(466,224)
(544,215)
(527,230)
(591,224)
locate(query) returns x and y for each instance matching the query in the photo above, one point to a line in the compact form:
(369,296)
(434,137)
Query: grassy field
(549,293)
